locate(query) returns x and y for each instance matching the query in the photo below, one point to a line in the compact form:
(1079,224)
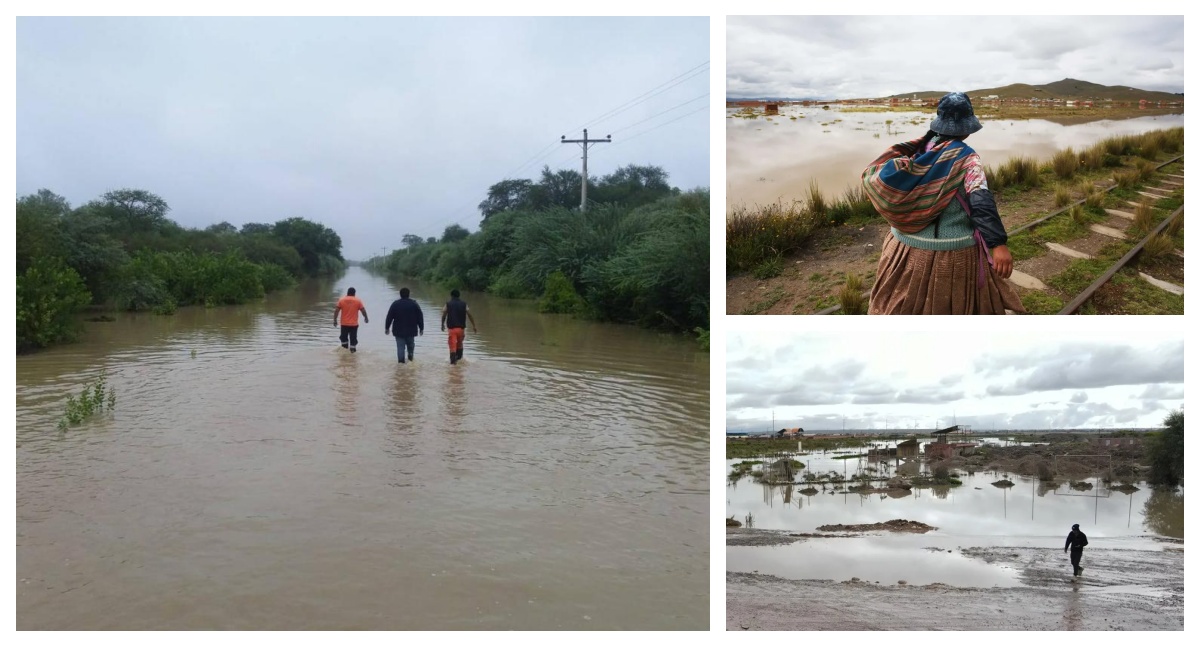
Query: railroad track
(1032,275)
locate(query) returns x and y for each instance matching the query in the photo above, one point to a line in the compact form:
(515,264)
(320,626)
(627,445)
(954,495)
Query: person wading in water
(455,315)
(1076,540)
(350,306)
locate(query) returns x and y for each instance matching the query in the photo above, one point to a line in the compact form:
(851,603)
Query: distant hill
(1064,89)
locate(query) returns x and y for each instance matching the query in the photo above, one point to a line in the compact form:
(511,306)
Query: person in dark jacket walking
(406,321)
(1076,540)
(455,316)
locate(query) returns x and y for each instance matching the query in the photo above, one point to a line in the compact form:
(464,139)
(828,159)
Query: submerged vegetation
(638,254)
(96,397)
(121,252)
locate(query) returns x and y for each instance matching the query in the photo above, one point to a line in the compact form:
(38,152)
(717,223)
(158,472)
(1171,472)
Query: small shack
(771,109)
(910,448)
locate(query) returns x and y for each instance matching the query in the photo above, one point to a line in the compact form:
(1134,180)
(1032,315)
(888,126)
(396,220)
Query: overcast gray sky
(998,380)
(875,56)
(376,127)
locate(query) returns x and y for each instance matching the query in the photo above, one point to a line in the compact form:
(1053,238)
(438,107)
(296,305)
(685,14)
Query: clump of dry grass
(1020,170)
(851,296)
(1156,247)
(1077,215)
(1065,162)
(1145,169)
(817,205)
(1125,179)
(1175,226)
(755,234)
(1092,158)
(1095,198)
(1143,218)
(1062,195)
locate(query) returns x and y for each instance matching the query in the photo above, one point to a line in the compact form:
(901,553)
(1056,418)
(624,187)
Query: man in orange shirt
(350,306)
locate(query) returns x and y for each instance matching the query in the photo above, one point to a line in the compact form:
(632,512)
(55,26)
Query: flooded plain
(769,159)
(994,561)
(977,513)
(255,476)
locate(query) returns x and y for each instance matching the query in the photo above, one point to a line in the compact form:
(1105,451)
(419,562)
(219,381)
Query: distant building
(908,449)
(797,432)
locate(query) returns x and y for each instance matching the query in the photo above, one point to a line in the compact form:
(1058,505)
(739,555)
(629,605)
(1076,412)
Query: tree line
(121,252)
(638,254)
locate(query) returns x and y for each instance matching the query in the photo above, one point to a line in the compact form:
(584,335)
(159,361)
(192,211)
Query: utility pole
(584,143)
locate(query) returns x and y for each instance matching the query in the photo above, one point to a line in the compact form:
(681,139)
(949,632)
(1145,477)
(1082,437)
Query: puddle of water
(775,160)
(886,560)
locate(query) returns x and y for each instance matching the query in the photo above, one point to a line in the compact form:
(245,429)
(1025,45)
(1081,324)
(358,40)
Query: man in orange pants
(349,306)
(455,315)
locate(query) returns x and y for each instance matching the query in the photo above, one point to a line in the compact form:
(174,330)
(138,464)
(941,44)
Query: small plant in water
(93,399)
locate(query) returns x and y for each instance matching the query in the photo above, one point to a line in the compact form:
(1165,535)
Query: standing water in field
(773,159)
(253,475)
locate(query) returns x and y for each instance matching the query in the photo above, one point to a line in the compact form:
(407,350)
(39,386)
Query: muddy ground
(1120,590)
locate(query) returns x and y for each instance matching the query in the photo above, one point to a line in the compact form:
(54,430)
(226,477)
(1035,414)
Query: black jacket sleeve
(986,218)
(420,318)
(391,317)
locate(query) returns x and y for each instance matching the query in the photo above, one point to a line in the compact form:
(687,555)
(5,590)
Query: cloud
(1082,365)
(855,56)
(1079,397)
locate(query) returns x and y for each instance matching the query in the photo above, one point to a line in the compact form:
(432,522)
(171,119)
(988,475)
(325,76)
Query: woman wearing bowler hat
(947,250)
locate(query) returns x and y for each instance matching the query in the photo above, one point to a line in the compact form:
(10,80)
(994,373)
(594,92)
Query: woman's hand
(1003,260)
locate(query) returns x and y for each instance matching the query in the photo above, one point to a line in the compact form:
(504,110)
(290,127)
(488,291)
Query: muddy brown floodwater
(255,476)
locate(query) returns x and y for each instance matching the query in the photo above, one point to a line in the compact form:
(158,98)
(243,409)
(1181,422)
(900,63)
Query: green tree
(412,240)
(49,294)
(1166,453)
(132,210)
(455,233)
(506,195)
(318,245)
(39,230)
(256,228)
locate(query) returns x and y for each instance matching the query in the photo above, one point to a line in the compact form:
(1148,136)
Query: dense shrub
(49,294)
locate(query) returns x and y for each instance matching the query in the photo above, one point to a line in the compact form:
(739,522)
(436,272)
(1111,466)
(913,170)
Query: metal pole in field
(584,143)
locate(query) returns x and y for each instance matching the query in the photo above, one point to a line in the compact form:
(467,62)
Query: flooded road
(255,476)
(775,159)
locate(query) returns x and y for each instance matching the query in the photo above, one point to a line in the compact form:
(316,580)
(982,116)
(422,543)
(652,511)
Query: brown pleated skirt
(913,281)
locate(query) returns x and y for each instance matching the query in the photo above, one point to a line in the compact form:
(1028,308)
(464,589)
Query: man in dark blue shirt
(406,321)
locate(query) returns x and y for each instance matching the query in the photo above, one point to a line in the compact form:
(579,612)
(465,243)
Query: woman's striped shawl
(910,188)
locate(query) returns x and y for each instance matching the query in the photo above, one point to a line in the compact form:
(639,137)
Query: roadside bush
(559,296)
(49,294)
(1166,453)
(508,286)
(275,278)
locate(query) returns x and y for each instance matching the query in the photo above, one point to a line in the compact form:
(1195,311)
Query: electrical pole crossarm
(585,142)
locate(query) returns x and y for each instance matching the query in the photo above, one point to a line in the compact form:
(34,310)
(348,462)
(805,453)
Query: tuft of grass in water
(1062,195)
(851,296)
(94,398)
(1065,162)
(1157,246)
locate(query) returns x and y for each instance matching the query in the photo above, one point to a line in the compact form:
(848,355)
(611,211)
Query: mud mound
(732,523)
(809,491)
(895,525)
(1003,483)
(1126,488)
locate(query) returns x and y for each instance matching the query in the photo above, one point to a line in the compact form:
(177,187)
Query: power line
(641,98)
(665,123)
(653,92)
(661,113)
